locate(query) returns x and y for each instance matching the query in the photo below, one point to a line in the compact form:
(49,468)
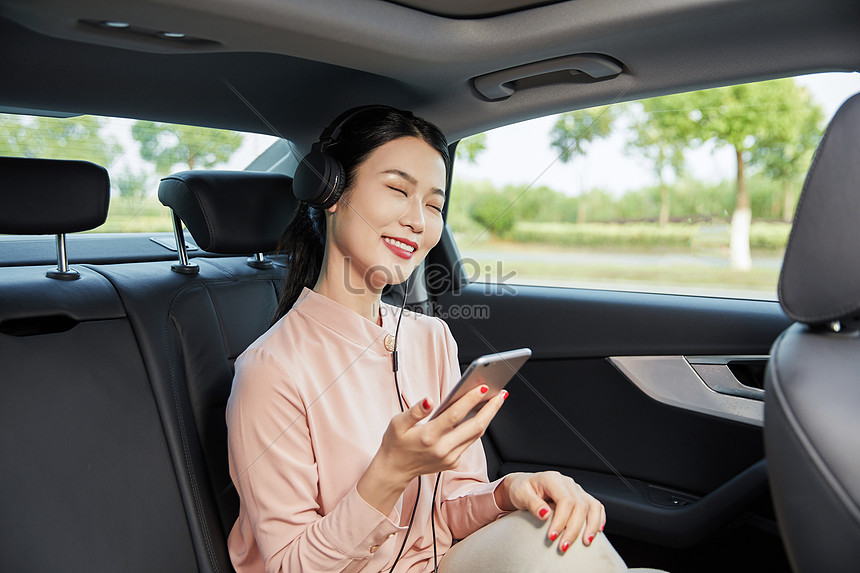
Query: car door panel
(668,473)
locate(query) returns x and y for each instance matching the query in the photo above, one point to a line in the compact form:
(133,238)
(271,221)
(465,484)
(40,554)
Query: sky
(521,154)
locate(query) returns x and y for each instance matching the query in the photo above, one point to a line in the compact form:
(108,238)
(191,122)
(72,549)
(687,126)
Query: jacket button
(389,342)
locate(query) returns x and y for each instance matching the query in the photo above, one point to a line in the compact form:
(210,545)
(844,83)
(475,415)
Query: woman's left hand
(537,492)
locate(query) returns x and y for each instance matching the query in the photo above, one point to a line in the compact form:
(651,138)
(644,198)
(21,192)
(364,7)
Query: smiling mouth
(400,245)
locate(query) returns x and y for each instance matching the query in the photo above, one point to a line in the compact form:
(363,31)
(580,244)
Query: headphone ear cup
(319,180)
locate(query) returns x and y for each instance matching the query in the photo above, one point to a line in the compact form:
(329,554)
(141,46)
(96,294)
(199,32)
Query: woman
(326,464)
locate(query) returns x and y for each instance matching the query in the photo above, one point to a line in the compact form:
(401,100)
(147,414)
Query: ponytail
(304,242)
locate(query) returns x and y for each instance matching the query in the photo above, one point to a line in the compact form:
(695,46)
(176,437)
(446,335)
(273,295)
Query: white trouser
(518,543)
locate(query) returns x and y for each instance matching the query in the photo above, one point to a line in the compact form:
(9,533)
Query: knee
(519,542)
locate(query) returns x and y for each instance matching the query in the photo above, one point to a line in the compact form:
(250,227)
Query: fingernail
(590,539)
(484,388)
(602,525)
(565,546)
(505,394)
(553,535)
(425,404)
(543,511)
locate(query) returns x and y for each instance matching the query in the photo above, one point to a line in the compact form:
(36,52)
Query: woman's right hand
(410,449)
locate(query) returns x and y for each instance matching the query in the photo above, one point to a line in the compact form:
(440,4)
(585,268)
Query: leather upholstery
(114,437)
(821,271)
(129,370)
(231,212)
(812,441)
(87,481)
(812,383)
(191,328)
(51,196)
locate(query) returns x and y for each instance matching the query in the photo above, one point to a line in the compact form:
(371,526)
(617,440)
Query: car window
(136,153)
(690,193)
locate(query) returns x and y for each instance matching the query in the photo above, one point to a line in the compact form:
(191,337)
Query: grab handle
(495,86)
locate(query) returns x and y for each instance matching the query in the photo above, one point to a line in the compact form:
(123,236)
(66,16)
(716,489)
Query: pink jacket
(311,400)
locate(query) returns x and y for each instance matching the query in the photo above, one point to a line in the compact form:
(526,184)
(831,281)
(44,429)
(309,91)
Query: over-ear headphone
(319,179)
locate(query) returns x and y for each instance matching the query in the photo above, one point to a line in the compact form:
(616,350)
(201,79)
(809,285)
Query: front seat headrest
(51,196)
(820,278)
(231,212)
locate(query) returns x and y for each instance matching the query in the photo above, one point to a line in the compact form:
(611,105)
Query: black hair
(304,238)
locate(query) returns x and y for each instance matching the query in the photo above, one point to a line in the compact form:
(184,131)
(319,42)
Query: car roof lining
(287,61)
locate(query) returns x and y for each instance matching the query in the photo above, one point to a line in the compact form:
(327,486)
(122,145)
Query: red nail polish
(602,525)
(425,404)
(543,511)
(553,535)
(565,546)
(505,394)
(590,539)
(484,389)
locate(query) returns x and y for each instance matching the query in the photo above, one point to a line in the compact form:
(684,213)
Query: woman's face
(389,219)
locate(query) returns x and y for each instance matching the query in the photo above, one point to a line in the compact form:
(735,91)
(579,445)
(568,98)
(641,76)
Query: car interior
(719,433)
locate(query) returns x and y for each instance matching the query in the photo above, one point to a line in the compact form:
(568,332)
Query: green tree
(574,131)
(741,117)
(132,184)
(661,138)
(492,210)
(469,148)
(78,138)
(786,153)
(167,145)
(540,204)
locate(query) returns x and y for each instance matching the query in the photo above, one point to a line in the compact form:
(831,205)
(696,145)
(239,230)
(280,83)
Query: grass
(763,235)
(703,269)
(690,274)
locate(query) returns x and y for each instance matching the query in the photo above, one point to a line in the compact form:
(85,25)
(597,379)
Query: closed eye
(439,209)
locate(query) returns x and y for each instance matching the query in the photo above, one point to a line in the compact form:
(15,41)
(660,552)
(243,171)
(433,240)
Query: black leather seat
(191,328)
(812,409)
(87,481)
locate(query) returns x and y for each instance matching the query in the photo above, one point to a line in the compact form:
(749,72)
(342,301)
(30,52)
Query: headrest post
(259,261)
(63,272)
(183,266)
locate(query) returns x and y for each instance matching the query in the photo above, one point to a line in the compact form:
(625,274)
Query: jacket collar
(348,323)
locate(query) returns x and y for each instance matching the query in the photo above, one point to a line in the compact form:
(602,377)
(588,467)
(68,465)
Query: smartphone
(494,370)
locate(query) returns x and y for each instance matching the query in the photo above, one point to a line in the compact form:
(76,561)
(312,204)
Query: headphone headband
(332,132)
(319,178)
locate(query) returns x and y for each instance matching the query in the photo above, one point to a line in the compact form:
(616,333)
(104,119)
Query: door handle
(717,374)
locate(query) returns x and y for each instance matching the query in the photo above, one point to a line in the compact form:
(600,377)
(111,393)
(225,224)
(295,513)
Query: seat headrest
(820,278)
(231,212)
(51,196)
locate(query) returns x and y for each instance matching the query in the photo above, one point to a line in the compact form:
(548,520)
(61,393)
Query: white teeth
(397,243)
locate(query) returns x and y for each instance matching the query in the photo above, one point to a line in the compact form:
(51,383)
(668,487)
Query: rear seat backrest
(87,482)
(192,327)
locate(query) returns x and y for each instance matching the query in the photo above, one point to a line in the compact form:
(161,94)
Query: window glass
(136,153)
(689,193)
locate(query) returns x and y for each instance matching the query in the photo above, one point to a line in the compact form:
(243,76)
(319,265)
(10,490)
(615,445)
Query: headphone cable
(403,409)
(433,522)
